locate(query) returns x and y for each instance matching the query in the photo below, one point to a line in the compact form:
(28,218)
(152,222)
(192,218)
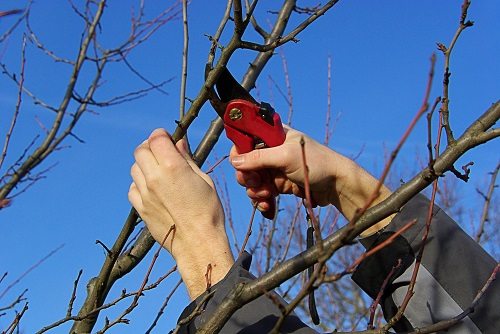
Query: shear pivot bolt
(235,114)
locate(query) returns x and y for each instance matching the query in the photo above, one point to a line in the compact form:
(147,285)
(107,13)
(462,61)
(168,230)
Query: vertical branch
(238,17)
(290,233)
(182,102)
(376,301)
(288,86)
(73,294)
(249,230)
(445,110)
(218,32)
(269,243)
(328,101)
(429,132)
(18,103)
(487,201)
(310,212)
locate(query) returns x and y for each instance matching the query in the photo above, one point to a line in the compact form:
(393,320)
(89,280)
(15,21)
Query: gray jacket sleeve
(259,316)
(453,270)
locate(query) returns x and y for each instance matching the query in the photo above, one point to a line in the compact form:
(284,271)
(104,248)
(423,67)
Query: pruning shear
(249,125)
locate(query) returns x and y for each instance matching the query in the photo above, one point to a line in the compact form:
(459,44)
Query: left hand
(168,189)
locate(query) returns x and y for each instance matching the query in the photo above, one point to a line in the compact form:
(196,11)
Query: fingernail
(260,207)
(237,160)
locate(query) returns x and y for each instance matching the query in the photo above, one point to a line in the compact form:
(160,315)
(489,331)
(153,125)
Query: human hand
(286,169)
(333,178)
(168,189)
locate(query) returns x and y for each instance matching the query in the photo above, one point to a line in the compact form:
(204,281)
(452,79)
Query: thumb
(273,157)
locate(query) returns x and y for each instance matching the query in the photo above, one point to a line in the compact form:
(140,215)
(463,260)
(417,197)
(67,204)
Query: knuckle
(131,188)
(138,150)
(134,169)
(153,181)
(255,155)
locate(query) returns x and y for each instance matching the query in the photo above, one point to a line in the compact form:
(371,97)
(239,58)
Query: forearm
(354,188)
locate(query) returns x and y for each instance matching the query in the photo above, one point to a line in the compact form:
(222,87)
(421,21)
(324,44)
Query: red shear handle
(248,126)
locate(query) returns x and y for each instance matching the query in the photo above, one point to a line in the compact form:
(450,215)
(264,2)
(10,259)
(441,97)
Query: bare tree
(283,253)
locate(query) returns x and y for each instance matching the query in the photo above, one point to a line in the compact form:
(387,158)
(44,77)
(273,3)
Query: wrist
(355,187)
(204,263)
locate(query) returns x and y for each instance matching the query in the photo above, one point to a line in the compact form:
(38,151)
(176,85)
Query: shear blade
(229,89)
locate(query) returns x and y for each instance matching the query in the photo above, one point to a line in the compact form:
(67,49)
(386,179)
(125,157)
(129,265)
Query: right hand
(333,178)
(286,170)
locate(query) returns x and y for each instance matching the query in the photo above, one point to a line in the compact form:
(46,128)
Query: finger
(273,157)
(265,190)
(138,178)
(258,194)
(262,205)
(249,179)
(163,148)
(145,158)
(134,197)
(270,212)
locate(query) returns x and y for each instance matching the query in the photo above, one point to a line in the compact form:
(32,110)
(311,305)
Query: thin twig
(288,86)
(291,36)
(290,232)
(387,242)
(29,270)
(139,293)
(184,71)
(445,101)
(423,108)
(163,306)
(17,319)
(376,301)
(487,201)
(124,295)
(309,201)
(249,230)
(196,312)
(328,102)
(18,300)
(18,103)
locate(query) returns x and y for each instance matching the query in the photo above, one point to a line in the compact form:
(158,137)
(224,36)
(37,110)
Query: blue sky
(380,54)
